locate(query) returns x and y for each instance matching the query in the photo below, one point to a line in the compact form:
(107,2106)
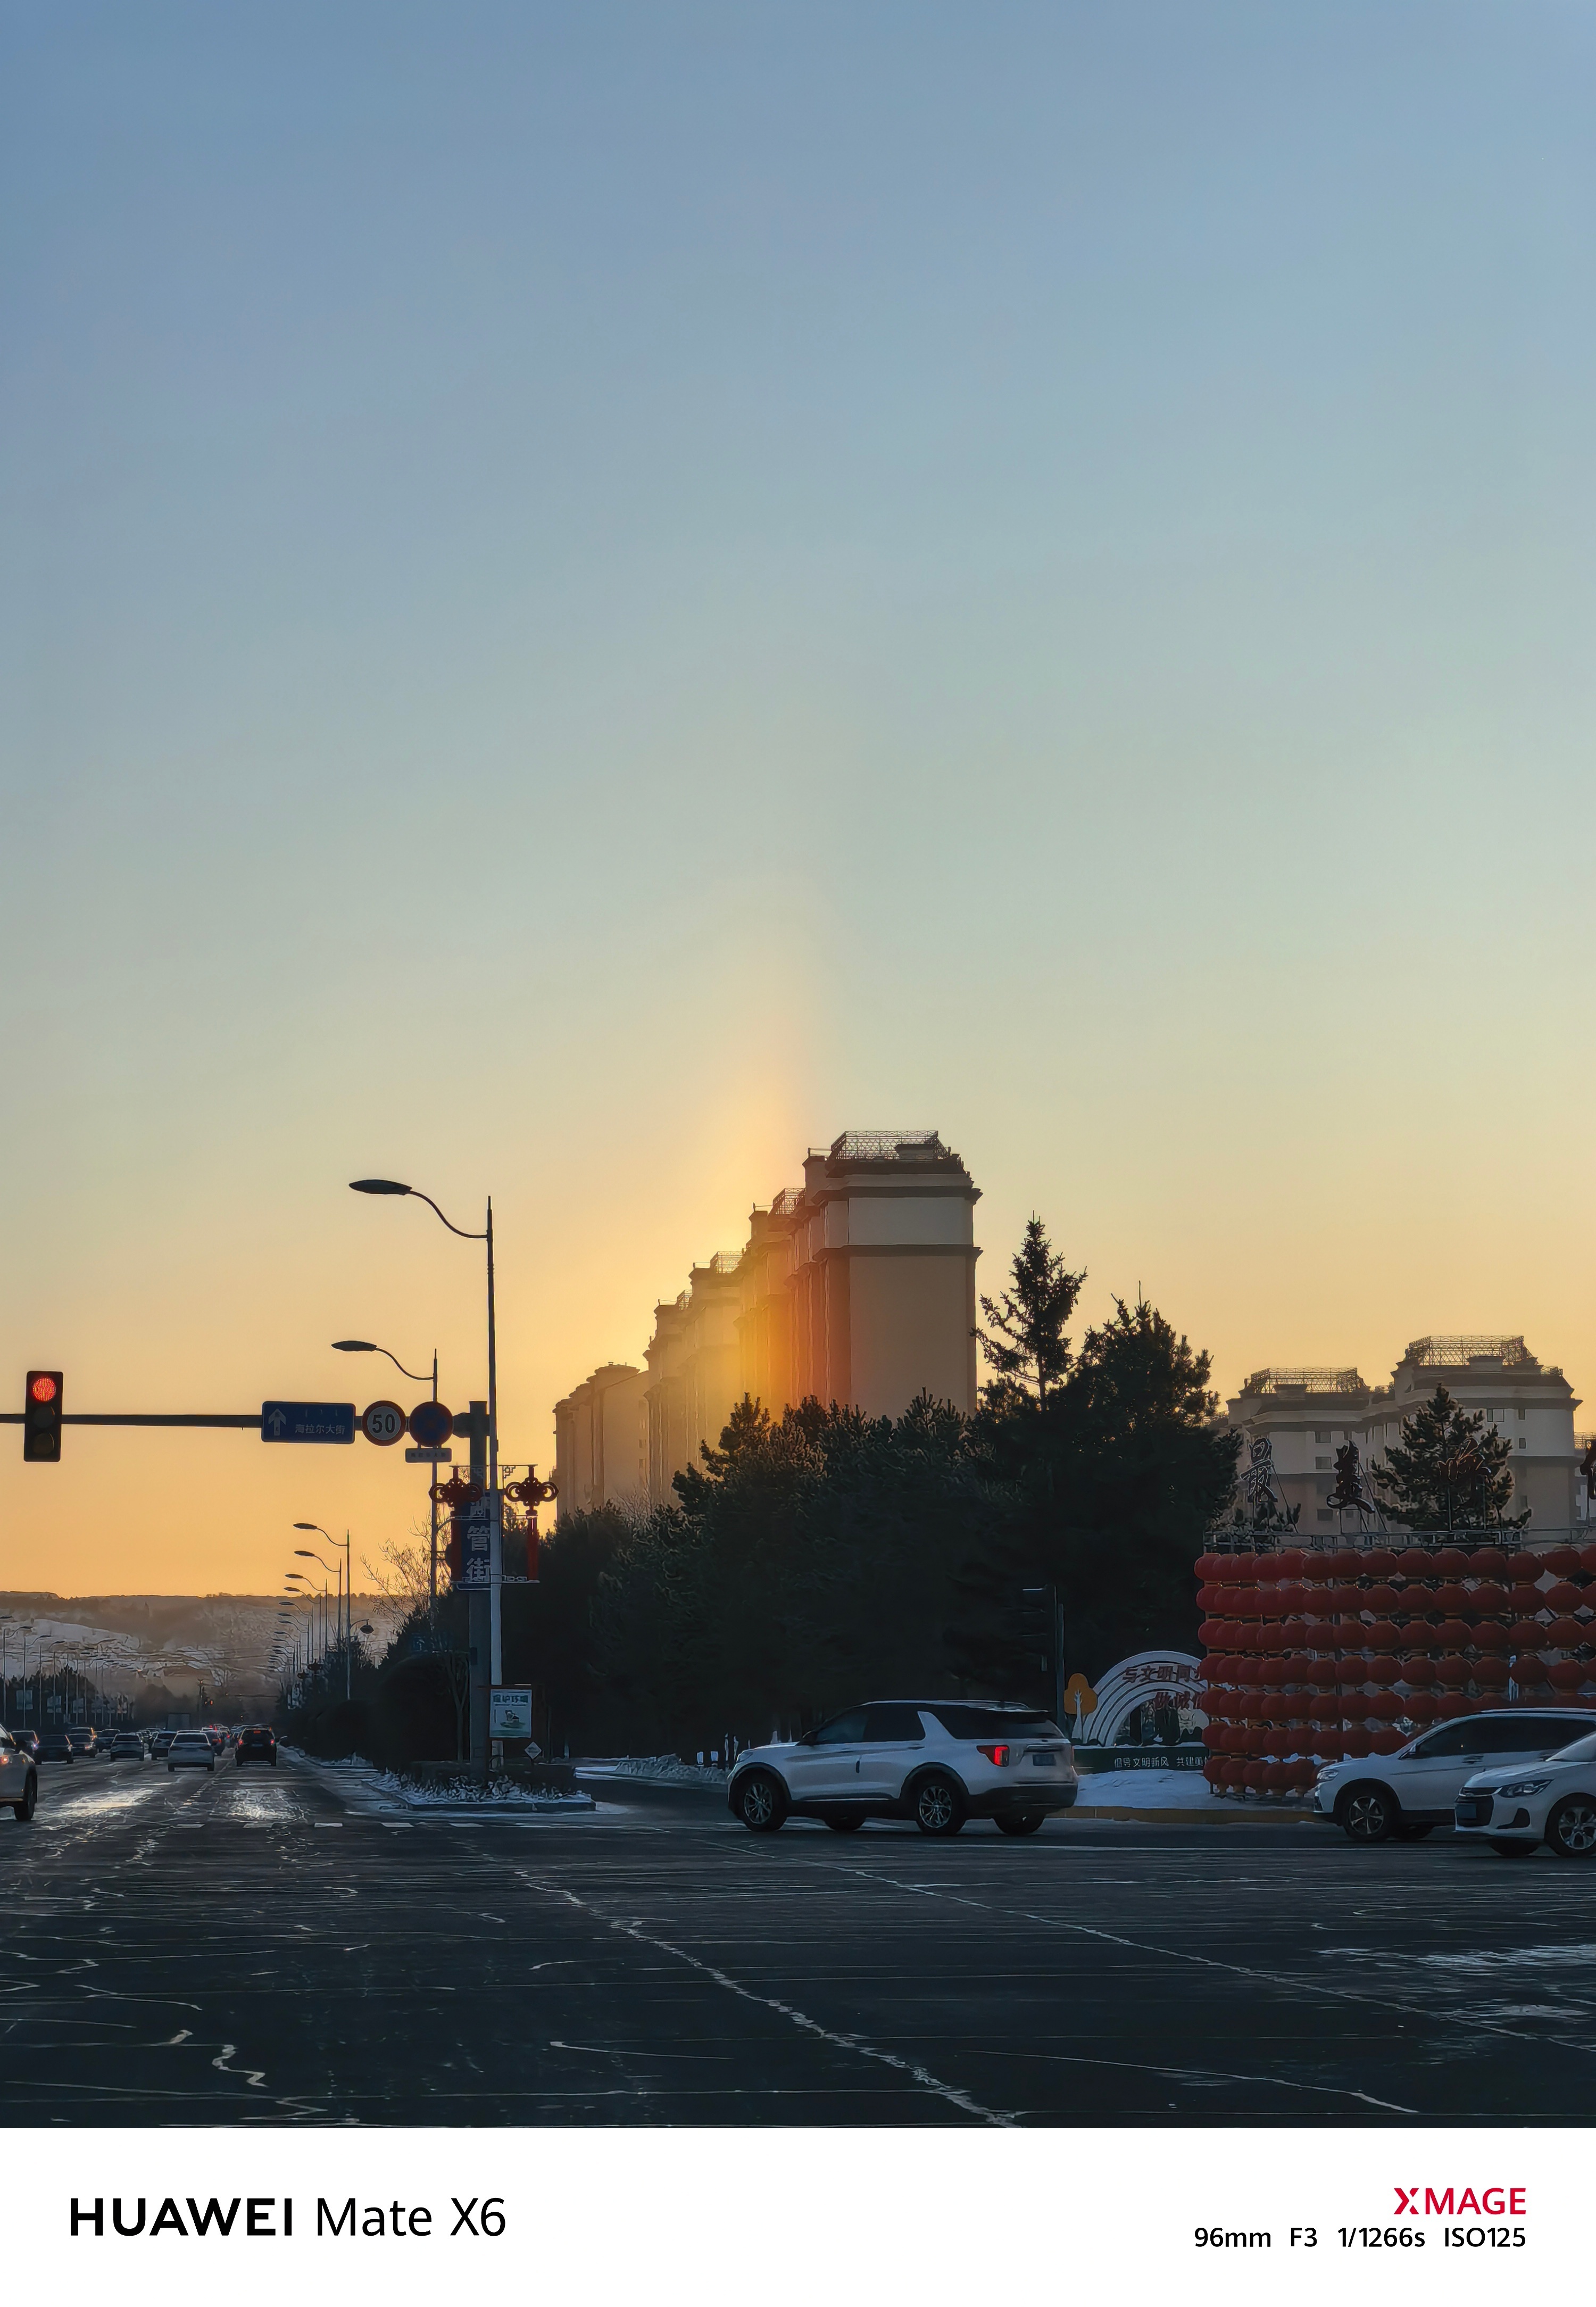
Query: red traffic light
(41,1418)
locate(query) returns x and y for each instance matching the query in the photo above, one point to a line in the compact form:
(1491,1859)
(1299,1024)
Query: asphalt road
(247,1948)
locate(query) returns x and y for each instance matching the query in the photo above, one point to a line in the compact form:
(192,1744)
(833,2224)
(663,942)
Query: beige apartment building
(1307,1415)
(857,1287)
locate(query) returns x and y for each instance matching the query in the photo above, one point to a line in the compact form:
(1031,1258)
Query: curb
(1227,1817)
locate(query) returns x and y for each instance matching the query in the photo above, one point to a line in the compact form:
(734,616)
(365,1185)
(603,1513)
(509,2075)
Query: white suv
(1400,1796)
(934,1762)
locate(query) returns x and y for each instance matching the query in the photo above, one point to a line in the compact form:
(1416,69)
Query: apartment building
(857,1287)
(1307,1415)
(601,1441)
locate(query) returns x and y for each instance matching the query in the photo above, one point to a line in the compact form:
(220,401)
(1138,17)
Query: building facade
(857,1287)
(1307,1415)
(601,1441)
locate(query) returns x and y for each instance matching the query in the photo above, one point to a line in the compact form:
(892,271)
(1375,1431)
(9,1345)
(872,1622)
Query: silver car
(191,1750)
(19,1781)
(937,1762)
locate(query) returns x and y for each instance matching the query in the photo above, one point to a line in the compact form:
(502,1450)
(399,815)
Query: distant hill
(154,1647)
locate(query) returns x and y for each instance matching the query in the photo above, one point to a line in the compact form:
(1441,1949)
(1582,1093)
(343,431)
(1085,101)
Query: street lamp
(346,1579)
(364,1346)
(495,1506)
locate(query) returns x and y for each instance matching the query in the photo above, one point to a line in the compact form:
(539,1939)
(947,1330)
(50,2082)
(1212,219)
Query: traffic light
(41,1418)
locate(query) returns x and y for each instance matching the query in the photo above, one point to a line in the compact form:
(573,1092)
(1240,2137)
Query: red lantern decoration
(1587,1559)
(1452,1672)
(1255,1777)
(1289,1562)
(1450,1634)
(1487,1562)
(1355,1747)
(1352,1672)
(1385,1671)
(1451,1562)
(1523,1570)
(1234,1774)
(1386,1741)
(1526,1633)
(1563,1596)
(1560,1560)
(1416,1668)
(1385,1635)
(1491,1673)
(1450,1598)
(1244,1569)
(1488,1598)
(1413,1561)
(1422,1707)
(1342,1601)
(1565,1674)
(1491,1636)
(1386,1706)
(1566,1633)
(1381,1600)
(1324,1712)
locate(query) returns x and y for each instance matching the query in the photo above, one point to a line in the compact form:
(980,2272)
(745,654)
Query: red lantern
(1381,1600)
(1450,1598)
(1563,1596)
(1488,1598)
(1491,1636)
(1491,1673)
(1487,1562)
(1289,1562)
(1524,1569)
(1386,1741)
(1566,1633)
(1560,1560)
(1423,1706)
(1386,1706)
(1209,1633)
(1355,1745)
(1352,1673)
(1322,1676)
(1385,1671)
(1244,1569)
(1587,1559)
(1526,1633)
(1451,1562)
(1385,1635)
(1565,1674)
(1417,1668)
(1234,1774)
(1452,1671)
(1255,1777)
(1324,1712)
(1413,1561)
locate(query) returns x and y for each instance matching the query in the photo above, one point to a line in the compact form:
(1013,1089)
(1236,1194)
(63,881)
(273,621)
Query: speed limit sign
(383,1423)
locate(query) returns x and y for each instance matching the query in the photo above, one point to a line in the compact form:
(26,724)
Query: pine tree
(1030,1351)
(1448,1472)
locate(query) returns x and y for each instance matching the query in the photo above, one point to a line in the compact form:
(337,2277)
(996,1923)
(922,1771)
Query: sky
(591,595)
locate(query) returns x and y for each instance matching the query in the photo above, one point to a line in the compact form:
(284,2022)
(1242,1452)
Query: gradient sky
(592,595)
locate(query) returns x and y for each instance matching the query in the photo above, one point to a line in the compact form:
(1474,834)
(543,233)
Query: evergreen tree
(1030,1352)
(1448,1472)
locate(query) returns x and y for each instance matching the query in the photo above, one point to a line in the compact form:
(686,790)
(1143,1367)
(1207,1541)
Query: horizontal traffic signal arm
(250,1418)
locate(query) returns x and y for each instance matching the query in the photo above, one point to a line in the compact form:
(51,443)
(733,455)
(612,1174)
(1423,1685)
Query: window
(1325,1514)
(894,1724)
(1467,1737)
(1521,1416)
(994,1722)
(842,1730)
(1321,1465)
(1530,1734)
(1321,1433)
(1523,1443)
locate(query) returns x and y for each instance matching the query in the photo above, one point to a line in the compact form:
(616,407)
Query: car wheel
(26,1807)
(1571,1830)
(1019,1822)
(1368,1813)
(1510,1848)
(1413,1833)
(845,1823)
(939,1805)
(761,1802)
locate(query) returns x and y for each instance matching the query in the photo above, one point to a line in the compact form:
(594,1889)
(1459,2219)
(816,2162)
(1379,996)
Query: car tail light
(997,1755)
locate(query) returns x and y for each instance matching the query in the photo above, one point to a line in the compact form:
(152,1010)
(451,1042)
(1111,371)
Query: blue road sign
(307,1421)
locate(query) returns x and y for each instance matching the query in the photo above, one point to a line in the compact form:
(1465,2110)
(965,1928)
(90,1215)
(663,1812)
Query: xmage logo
(1457,2202)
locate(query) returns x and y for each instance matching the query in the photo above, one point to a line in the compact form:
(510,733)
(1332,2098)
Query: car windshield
(1583,1750)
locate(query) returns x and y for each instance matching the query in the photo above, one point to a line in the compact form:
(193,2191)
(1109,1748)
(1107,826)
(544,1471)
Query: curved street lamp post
(494,1502)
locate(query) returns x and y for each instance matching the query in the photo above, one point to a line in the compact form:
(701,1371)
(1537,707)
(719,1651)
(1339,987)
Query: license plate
(1472,1813)
(1044,1761)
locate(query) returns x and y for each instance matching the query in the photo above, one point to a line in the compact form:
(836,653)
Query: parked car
(191,1750)
(160,1742)
(127,1747)
(28,1740)
(1400,1797)
(19,1778)
(55,1746)
(255,1742)
(1518,1808)
(937,1763)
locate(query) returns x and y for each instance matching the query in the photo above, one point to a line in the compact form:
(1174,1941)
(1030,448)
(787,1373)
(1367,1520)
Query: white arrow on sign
(277,1422)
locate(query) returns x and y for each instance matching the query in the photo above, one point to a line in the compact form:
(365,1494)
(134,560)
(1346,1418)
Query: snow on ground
(1148,1790)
